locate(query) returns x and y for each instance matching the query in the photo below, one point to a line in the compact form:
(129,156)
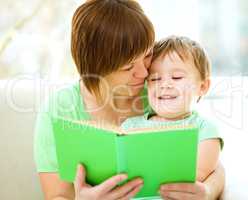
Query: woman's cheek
(148,62)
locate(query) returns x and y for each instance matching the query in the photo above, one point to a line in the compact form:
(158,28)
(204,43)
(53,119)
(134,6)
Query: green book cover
(158,156)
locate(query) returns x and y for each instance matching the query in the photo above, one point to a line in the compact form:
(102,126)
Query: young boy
(179,77)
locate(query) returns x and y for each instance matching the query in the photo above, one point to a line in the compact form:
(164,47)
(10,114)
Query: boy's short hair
(107,34)
(186,49)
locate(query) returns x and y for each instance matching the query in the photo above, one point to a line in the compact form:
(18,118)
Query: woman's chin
(136,91)
(130,93)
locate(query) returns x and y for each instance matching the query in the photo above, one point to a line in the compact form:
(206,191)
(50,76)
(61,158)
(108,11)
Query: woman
(112,46)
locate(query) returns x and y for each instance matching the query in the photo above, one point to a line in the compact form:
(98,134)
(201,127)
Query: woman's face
(129,80)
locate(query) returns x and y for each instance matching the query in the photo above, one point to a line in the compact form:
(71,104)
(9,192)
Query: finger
(132,193)
(182,187)
(165,197)
(178,195)
(126,188)
(111,183)
(79,181)
(168,198)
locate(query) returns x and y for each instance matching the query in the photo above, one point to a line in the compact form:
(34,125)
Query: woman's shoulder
(66,93)
(59,103)
(64,101)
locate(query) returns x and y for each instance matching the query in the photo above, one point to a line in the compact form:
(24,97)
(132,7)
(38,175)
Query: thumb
(79,181)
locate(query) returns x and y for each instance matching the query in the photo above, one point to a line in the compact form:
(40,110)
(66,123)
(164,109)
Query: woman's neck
(108,100)
(113,109)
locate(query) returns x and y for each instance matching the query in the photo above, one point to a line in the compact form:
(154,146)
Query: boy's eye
(177,77)
(155,79)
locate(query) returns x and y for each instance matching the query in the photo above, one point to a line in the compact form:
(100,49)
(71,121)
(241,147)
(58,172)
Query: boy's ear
(205,85)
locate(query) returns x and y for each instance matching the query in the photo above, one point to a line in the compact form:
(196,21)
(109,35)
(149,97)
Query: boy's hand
(185,191)
(108,190)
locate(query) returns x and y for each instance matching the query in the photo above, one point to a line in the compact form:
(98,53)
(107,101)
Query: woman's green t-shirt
(66,102)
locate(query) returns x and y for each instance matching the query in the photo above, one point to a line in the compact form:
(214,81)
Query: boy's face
(173,85)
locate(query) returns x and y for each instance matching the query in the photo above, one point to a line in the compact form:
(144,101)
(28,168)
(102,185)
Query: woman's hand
(185,191)
(211,189)
(108,190)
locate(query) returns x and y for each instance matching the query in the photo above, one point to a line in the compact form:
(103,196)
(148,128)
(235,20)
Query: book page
(99,124)
(157,129)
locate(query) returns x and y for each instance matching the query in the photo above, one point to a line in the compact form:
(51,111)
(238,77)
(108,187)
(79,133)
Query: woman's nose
(141,71)
(148,62)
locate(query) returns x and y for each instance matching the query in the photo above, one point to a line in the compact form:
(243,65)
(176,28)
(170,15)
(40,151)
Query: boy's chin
(172,114)
(169,115)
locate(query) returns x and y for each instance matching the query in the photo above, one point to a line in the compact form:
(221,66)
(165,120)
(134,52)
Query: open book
(163,155)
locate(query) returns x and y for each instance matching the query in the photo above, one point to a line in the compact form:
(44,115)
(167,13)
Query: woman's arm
(55,189)
(210,189)
(216,182)
(208,158)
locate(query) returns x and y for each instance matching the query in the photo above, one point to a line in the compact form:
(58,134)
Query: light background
(35,48)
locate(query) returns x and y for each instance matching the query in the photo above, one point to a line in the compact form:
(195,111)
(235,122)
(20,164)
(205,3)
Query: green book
(158,156)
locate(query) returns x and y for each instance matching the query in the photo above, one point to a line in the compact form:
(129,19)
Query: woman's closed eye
(148,55)
(129,68)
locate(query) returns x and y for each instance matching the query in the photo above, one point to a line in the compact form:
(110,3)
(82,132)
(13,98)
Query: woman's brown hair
(107,34)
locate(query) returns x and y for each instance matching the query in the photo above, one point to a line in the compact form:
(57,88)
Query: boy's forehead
(171,61)
(162,69)
(174,57)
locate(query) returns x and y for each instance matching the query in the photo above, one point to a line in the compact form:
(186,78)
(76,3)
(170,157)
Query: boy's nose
(167,84)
